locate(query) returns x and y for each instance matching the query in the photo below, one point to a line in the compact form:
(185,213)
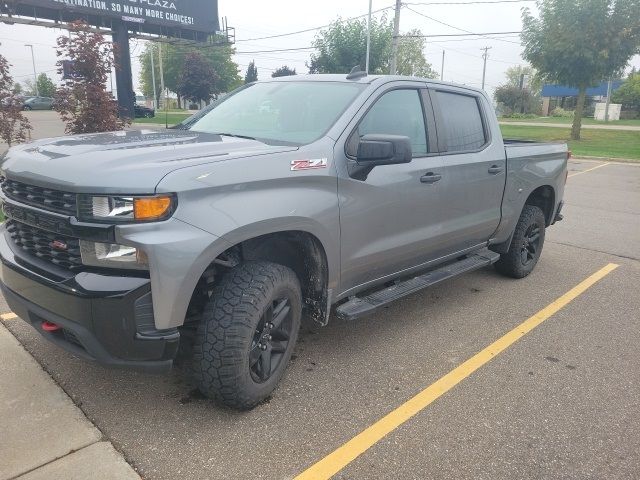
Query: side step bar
(357,307)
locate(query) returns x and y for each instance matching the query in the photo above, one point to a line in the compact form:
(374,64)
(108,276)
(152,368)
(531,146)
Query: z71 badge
(297,165)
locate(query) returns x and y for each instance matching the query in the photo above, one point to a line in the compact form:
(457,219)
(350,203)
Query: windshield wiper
(236,136)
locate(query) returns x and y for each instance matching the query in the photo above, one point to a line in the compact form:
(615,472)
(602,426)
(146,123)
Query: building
(554,96)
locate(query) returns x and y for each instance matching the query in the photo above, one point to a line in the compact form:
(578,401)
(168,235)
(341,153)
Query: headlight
(126,209)
(112,255)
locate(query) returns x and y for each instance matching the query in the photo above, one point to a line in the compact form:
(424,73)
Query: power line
(478,2)
(461,29)
(313,28)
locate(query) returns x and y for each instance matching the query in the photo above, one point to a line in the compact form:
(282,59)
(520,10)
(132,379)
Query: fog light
(112,255)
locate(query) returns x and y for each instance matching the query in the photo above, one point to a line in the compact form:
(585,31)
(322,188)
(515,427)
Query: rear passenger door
(474,165)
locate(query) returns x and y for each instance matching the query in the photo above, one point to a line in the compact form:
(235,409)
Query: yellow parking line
(589,169)
(8,316)
(344,455)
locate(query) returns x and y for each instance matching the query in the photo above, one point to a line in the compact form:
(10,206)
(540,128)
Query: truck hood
(122,162)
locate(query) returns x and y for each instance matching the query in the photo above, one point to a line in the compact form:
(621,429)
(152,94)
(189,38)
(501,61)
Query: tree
(283,71)
(220,57)
(516,99)
(532,78)
(197,81)
(14,126)
(16,89)
(629,93)
(580,43)
(83,101)
(411,59)
(46,87)
(343,45)
(252,73)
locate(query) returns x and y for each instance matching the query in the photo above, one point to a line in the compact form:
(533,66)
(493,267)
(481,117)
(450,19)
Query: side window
(462,121)
(398,112)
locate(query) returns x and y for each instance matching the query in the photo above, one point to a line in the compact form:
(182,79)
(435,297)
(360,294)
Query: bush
(561,112)
(519,115)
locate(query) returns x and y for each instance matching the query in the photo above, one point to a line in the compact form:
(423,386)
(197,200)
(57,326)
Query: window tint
(398,112)
(462,122)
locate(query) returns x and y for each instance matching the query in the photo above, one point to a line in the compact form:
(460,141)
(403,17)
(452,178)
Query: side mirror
(376,149)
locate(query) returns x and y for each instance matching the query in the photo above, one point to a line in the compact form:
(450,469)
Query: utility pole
(153,80)
(484,68)
(35,77)
(606,108)
(442,68)
(366,69)
(161,73)
(394,44)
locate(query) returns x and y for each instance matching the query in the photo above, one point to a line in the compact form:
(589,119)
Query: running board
(357,307)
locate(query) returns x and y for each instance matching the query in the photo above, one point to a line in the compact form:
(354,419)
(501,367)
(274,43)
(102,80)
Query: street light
(35,77)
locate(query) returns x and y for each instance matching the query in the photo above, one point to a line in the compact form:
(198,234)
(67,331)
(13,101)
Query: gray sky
(253,19)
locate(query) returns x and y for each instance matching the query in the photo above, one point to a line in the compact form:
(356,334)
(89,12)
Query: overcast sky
(255,19)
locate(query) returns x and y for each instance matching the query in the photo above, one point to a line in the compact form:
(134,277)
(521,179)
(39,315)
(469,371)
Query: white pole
(606,108)
(394,45)
(153,79)
(442,68)
(368,37)
(35,77)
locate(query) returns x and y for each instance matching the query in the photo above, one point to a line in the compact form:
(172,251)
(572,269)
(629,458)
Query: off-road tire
(512,263)
(227,333)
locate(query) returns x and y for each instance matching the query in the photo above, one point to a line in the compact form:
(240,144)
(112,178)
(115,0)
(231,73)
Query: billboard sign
(149,16)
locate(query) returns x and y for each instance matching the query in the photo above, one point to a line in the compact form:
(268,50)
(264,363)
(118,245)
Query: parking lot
(563,401)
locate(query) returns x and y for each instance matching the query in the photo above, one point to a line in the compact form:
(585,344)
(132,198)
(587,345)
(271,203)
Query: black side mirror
(376,149)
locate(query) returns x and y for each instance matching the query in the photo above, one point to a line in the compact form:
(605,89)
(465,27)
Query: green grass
(569,121)
(594,143)
(159,119)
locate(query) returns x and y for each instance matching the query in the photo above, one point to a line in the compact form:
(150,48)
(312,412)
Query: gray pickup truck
(285,200)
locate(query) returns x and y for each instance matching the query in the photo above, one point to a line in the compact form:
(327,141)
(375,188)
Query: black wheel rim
(530,244)
(270,340)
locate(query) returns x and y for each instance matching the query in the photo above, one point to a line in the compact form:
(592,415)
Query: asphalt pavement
(561,402)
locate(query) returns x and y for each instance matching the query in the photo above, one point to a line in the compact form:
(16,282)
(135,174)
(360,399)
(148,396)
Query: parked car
(346,193)
(141,111)
(38,103)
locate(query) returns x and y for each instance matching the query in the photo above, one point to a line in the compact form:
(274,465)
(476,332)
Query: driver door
(390,220)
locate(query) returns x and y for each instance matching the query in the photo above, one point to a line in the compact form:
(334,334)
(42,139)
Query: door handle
(495,169)
(431,178)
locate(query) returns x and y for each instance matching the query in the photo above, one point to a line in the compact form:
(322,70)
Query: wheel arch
(300,250)
(543,197)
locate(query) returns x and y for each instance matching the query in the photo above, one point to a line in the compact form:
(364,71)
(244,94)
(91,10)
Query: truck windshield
(280,112)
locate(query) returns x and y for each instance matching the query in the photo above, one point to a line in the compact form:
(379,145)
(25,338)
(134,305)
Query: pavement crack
(595,250)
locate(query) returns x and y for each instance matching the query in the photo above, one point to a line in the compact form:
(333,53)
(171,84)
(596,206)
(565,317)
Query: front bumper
(107,318)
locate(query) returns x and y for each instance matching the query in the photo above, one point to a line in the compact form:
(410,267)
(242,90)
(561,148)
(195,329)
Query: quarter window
(462,122)
(398,112)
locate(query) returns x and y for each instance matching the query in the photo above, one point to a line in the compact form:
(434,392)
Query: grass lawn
(159,119)
(569,121)
(594,143)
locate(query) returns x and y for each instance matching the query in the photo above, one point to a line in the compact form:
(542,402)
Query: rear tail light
(569,154)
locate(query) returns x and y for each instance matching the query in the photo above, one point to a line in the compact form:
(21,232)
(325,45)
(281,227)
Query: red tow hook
(50,327)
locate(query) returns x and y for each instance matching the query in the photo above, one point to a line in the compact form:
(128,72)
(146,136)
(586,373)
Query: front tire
(247,334)
(526,245)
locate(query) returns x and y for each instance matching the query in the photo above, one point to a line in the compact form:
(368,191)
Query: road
(561,402)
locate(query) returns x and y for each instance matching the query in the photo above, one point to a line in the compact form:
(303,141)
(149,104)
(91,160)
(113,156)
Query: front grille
(40,243)
(45,198)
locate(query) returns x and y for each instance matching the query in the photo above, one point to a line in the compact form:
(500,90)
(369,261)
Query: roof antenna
(356,73)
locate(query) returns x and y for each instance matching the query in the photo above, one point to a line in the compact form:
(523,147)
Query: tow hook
(50,327)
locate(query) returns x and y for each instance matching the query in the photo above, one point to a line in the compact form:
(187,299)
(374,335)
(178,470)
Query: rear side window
(462,122)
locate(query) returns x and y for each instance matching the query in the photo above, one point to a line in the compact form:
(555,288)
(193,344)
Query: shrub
(561,112)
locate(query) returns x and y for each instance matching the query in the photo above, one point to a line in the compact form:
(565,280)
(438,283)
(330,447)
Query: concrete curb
(42,429)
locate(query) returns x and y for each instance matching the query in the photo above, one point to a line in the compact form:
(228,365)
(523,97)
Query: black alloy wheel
(270,340)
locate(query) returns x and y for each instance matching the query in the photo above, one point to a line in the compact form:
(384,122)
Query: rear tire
(247,334)
(526,245)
